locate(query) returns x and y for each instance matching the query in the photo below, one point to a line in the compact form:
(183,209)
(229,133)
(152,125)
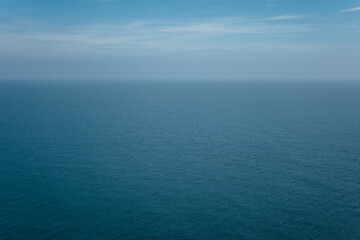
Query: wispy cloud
(233,26)
(351,10)
(285,17)
(154,35)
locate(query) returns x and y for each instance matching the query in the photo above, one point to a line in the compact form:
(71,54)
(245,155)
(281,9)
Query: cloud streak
(350,10)
(155,35)
(285,17)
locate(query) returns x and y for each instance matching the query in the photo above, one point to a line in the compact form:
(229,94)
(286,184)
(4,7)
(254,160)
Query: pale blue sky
(180,39)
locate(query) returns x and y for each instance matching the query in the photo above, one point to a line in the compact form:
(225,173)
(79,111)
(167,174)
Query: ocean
(180,160)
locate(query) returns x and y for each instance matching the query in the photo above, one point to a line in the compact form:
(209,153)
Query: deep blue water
(178,160)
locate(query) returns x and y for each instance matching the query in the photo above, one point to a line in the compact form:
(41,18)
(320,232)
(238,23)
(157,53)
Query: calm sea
(157,160)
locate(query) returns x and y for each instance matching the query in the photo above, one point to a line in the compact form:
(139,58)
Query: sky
(180,39)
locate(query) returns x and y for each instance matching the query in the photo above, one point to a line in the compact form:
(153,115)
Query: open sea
(180,160)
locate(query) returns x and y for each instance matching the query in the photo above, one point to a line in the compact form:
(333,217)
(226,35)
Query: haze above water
(190,160)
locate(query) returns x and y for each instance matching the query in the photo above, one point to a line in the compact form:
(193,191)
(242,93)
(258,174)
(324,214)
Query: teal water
(180,160)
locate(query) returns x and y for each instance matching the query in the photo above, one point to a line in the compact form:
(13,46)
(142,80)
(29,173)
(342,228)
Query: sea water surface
(180,160)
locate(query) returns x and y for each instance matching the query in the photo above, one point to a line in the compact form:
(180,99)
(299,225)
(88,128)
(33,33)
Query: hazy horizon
(180,39)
